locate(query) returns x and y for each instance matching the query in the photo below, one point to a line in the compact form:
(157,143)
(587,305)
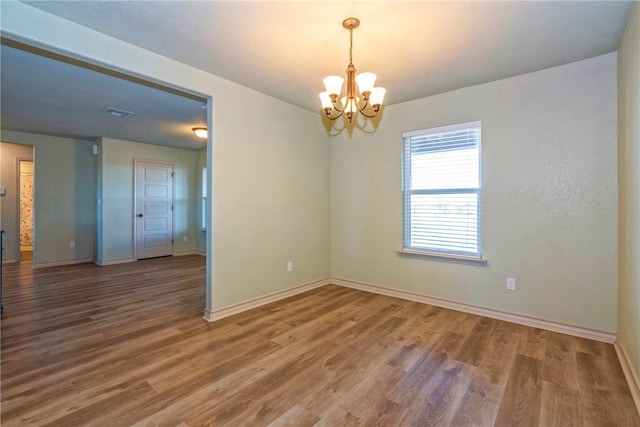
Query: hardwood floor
(126,345)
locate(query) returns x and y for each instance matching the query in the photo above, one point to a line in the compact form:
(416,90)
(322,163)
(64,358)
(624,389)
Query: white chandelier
(367,101)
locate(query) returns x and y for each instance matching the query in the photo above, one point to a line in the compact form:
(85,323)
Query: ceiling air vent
(117,112)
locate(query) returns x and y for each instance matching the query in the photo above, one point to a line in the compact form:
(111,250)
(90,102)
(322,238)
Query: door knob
(139,215)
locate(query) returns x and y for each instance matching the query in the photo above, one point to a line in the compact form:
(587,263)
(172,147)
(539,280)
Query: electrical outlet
(290,266)
(185,238)
(72,244)
(511,284)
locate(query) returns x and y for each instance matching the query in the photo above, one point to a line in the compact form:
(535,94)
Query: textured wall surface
(629,179)
(549,197)
(64,197)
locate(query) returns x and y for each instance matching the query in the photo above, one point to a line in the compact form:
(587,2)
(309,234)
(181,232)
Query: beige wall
(116,224)
(629,191)
(270,197)
(64,197)
(549,197)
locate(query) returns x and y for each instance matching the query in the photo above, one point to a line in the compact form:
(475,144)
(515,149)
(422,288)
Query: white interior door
(154,209)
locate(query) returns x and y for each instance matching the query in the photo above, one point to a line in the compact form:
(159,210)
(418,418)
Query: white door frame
(136,161)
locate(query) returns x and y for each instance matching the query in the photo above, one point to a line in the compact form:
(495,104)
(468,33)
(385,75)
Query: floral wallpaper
(26,209)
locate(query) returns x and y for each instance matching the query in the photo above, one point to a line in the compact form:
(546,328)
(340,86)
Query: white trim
(201,253)
(115,261)
(218,314)
(442,129)
(9,260)
(65,262)
(633,380)
(481,311)
(183,253)
(445,255)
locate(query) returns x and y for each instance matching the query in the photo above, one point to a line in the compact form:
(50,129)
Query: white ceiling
(50,96)
(417,49)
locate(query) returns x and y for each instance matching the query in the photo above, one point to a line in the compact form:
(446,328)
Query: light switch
(2,191)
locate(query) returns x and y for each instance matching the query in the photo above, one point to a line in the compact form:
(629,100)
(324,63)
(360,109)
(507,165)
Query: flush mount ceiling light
(200,132)
(117,112)
(367,101)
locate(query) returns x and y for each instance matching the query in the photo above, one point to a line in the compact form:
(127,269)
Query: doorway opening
(25,208)
(142,78)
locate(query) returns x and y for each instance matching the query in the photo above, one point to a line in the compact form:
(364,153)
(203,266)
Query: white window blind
(442,190)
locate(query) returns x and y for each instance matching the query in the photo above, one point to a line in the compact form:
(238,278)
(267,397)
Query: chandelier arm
(335,108)
(336,117)
(365,114)
(368,116)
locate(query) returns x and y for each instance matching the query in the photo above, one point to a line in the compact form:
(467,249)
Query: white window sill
(451,257)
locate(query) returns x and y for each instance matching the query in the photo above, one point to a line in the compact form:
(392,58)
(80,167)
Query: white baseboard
(481,311)
(221,313)
(633,380)
(184,253)
(115,261)
(9,260)
(201,253)
(64,262)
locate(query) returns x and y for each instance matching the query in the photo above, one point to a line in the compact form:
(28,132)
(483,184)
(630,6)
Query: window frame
(407,192)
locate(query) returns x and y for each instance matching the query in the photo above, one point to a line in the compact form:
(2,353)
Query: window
(442,191)
(204,198)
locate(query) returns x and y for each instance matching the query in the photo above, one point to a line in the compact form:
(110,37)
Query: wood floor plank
(365,394)
(480,403)
(440,398)
(126,345)
(559,364)
(533,342)
(296,416)
(604,401)
(475,408)
(520,405)
(407,390)
(475,345)
(560,406)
